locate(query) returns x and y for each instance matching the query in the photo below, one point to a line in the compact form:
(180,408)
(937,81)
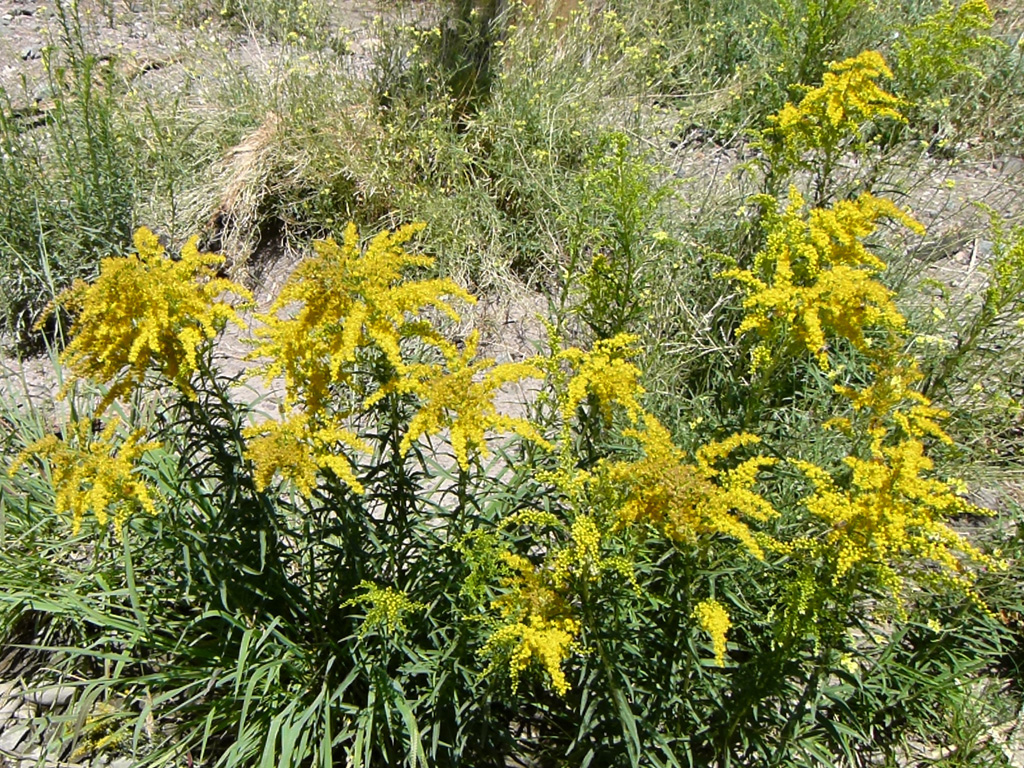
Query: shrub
(382,539)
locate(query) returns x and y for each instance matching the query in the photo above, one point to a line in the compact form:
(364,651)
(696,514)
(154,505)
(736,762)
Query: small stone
(49,697)
(1011,166)
(42,93)
(30,53)
(22,11)
(11,738)
(8,707)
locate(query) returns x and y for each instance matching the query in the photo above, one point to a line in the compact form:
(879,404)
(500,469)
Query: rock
(43,93)
(22,11)
(56,696)
(1011,166)
(30,53)
(12,738)
(8,708)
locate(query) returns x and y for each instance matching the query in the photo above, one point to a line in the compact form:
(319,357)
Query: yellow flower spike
(891,399)
(834,112)
(712,617)
(815,278)
(582,556)
(531,517)
(95,473)
(708,454)
(349,298)
(459,396)
(297,449)
(146,312)
(685,500)
(606,373)
(891,517)
(546,643)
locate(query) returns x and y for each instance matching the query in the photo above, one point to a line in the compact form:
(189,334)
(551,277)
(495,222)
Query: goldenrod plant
(815,278)
(146,311)
(940,52)
(411,540)
(828,123)
(95,473)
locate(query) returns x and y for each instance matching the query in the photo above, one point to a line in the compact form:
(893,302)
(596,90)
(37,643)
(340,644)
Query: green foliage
(812,33)
(616,227)
(500,189)
(937,52)
(970,346)
(68,199)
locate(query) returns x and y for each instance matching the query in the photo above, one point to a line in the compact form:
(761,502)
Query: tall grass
(66,172)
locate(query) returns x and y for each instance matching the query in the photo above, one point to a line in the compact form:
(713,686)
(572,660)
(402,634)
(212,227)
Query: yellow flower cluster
(537,624)
(94,473)
(517,645)
(147,311)
(890,518)
(348,301)
(891,401)
(531,589)
(584,553)
(298,448)
(459,396)
(815,276)
(343,300)
(890,515)
(714,619)
(684,499)
(833,112)
(604,374)
(387,607)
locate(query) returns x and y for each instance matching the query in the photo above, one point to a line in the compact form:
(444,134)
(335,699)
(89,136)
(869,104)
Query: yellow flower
(346,299)
(147,312)
(297,448)
(582,556)
(387,607)
(815,278)
(832,113)
(688,499)
(544,642)
(95,474)
(605,374)
(891,517)
(459,396)
(891,401)
(714,619)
